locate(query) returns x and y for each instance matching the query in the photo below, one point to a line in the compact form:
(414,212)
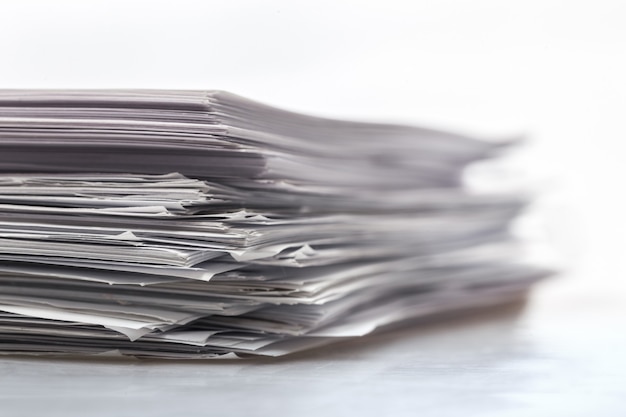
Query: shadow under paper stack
(186,224)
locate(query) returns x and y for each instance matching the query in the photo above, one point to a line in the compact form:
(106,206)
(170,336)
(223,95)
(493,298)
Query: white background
(553,70)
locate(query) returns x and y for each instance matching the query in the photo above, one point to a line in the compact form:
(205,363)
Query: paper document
(196,224)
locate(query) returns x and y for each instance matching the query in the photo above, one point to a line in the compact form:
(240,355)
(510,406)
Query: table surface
(558,354)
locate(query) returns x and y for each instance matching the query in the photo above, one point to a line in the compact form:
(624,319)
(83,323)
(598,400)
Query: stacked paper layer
(190,224)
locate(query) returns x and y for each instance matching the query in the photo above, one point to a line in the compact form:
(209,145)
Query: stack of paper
(189,224)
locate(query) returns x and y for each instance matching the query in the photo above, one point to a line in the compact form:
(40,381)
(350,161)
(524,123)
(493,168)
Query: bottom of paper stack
(167,266)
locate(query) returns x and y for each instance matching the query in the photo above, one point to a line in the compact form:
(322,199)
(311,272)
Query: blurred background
(552,70)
